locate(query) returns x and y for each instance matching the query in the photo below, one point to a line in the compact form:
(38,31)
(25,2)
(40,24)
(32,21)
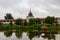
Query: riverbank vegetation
(33,24)
(29,28)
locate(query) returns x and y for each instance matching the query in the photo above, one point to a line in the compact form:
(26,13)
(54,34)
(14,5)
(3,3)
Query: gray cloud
(21,8)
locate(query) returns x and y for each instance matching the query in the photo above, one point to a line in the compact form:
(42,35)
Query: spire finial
(30,5)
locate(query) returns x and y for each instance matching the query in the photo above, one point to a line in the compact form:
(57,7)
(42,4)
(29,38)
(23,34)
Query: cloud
(21,8)
(55,6)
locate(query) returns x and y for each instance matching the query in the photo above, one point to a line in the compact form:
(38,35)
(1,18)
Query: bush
(7,26)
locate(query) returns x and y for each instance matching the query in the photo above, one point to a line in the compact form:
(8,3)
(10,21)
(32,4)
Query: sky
(21,8)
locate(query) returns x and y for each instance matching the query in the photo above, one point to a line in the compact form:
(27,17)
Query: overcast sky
(21,8)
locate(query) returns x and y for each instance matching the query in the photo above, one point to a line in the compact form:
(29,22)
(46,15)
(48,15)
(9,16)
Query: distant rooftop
(30,14)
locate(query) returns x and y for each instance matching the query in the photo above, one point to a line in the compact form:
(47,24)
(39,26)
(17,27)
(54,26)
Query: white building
(30,16)
(58,21)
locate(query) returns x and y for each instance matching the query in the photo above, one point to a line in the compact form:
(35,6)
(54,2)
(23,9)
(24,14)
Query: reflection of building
(30,15)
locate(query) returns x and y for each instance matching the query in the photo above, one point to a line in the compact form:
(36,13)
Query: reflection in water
(8,33)
(49,36)
(31,34)
(18,33)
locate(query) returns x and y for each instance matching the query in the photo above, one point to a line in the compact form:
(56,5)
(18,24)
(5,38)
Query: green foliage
(29,28)
(18,22)
(49,20)
(52,28)
(31,21)
(7,26)
(11,23)
(8,16)
(38,21)
(34,21)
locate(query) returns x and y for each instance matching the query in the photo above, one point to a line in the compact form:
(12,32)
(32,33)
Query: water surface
(29,35)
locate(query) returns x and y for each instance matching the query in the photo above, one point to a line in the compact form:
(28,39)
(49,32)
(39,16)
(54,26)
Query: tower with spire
(30,16)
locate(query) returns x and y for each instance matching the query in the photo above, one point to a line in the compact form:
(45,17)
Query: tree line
(48,20)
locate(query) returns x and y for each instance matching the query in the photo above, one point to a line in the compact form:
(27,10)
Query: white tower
(30,16)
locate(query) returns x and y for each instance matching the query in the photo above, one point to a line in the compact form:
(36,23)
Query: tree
(18,22)
(38,21)
(8,16)
(49,20)
(34,21)
(11,23)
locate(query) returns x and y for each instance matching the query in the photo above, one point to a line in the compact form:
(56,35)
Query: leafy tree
(31,21)
(34,21)
(11,23)
(49,20)
(25,23)
(8,16)
(18,22)
(38,21)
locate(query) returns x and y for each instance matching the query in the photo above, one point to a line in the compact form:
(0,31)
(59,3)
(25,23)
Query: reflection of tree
(49,36)
(8,33)
(18,33)
(33,34)
(52,36)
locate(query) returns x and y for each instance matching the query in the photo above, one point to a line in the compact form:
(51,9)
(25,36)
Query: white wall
(58,20)
(7,22)
(29,18)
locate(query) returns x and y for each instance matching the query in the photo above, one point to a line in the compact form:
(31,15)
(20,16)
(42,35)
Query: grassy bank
(31,27)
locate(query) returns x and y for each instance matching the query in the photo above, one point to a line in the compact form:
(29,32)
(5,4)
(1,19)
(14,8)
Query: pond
(29,35)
